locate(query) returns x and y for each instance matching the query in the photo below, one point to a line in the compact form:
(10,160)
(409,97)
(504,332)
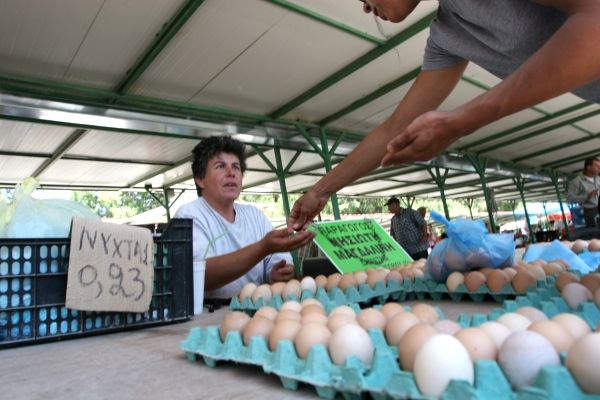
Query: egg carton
(383,379)
(417,289)
(552,306)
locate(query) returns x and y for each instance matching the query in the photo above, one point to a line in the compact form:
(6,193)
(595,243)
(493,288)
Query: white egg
(350,340)
(441,359)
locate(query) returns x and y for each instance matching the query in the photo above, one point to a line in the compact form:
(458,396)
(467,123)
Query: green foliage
(116,204)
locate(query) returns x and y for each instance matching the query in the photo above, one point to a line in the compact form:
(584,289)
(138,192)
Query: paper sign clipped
(111,267)
(358,244)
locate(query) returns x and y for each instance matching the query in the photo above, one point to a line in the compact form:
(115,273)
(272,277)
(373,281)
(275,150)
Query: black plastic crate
(33,286)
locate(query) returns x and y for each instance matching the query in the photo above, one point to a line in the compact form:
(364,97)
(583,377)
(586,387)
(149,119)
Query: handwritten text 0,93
(88,276)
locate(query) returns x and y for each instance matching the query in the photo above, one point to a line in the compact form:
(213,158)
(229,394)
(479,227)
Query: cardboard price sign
(358,244)
(111,267)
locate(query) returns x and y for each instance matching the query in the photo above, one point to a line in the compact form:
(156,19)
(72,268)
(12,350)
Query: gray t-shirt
(497,35)
(215,236)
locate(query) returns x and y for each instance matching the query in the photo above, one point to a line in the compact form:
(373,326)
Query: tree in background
(116,204)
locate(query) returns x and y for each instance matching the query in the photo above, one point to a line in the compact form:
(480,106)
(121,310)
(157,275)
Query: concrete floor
(147,364)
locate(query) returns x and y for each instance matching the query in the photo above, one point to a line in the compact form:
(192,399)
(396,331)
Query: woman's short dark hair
(212,146)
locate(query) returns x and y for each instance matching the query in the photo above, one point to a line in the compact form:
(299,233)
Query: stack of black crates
(33,283)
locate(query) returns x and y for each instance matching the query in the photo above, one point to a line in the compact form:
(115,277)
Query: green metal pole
(440,181)
(479,163)
(327,159)
(554,177)
(520,183)
(470,202)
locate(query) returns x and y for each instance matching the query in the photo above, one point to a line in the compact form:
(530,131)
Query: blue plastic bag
(558,251)
(27,217)
(468,246)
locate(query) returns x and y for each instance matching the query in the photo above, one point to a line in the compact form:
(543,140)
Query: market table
(148,364)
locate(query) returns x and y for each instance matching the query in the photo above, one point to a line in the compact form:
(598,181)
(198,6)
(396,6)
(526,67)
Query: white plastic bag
(26,217)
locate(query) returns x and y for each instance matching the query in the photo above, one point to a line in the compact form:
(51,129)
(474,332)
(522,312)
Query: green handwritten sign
(358,244)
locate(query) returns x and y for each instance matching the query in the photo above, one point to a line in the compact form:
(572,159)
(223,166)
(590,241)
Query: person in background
(236,240)
(518,41)
(409,229)
(584,189)
(422,211)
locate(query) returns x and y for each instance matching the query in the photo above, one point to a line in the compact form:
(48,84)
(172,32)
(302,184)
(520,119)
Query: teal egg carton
(383,379)
(417,289)
(550,306)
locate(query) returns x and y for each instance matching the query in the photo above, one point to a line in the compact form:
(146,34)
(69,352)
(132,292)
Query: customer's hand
(425,137)
(281,240)
(282,272)
(305,209)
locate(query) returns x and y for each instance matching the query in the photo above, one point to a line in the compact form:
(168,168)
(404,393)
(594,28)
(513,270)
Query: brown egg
(565,265)
(336,321)
(361,277)
(371,318)
(522,280)
(321,281)
(487,271)
(454,260)
(560,338)
(262,292)
(313,309)
(594,245)
(314,317)
(412,341)
(233,321)
(454,280)
(348,280)
(292,288)
(497,332)
(576,326)
(579,246)
(583,361)
(333,280)
(510,272)
(310,301)
(591,281)
(514,322)
(398,325)
(394,276)
(478,343)
(374,276)
(425,312)
(446,326)
(267,312)
(497,279)
(473,280)
(564,278)
(391,309)
(537,271)
(575,294)
(310,335)
(291,305)
(283,330)
(277,288)
(257,326)
(288,314)
(532,313)
(418,273)
(246,291)
(345,310)
(553,268)
(408,273)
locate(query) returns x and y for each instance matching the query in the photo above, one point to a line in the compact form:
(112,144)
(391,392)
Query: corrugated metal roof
(115,94)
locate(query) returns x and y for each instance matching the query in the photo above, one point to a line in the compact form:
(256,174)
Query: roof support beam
(388,87)
(540,131)
(360,62)
(161,40)
(328,21)
(73,138)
